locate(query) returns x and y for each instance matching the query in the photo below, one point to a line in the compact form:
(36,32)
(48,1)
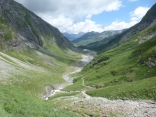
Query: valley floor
(85,105)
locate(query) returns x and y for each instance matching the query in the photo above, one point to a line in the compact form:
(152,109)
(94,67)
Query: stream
(86,58)
(103,106)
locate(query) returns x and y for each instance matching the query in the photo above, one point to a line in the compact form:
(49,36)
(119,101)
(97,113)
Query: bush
(8,35)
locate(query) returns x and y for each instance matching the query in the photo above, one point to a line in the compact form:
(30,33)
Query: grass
(25,73)
(143,89)
(125,67)
(76,87)
(40,70)
(22,90)
(18,103)
(64,94)
(8,35)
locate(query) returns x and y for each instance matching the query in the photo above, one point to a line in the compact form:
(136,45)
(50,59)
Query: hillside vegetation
(33,57)
(124,72)
(25,78)
(115,41)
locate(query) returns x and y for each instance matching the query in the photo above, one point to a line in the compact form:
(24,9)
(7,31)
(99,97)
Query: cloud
(138,13)
(67,15)
(135,17)
(119,25)
(68,24)
(71,8)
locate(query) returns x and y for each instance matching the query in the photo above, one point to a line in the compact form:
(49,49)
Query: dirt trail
(93,106)
(86,58)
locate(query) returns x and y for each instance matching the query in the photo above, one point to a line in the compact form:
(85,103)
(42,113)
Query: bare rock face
(31,28)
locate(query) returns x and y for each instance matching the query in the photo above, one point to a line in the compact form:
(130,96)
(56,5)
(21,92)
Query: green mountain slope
(124,72)
(92,37)
(33,57)
(32,29)
(147,20)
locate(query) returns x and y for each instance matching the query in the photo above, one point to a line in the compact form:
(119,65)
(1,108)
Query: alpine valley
(43,74)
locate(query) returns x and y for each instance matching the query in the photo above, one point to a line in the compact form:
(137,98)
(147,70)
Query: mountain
(146,21)
(126,71)
(85,36)
(33,57)
(92,37)
(32,29)
(72,37)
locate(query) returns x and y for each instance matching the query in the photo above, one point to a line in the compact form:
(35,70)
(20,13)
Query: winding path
(103,106)
(86,58)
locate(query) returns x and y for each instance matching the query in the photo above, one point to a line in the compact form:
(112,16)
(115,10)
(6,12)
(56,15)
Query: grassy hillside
(24,76)
(27,72)
(15,102)
(127,71)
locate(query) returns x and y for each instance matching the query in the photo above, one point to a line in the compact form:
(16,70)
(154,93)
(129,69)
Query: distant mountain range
(125,67)
(114,41)
(92,37)
(72,37)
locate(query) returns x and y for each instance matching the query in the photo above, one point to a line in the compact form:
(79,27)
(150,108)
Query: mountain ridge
(92,37)
(31,28)
(147,20)
(126,71)
(72,37)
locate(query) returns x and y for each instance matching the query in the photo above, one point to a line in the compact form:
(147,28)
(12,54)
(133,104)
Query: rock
(154,51)
(114,73)
(149,58)
(153,64)
(129,79)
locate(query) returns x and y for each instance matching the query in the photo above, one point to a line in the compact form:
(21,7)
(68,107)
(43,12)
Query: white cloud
(135,17)
(67,14)
(72,8)
(87,26)
(118,25)
(67,24)
(138,13)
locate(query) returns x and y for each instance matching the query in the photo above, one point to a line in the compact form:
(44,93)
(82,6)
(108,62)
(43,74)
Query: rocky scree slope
(34,31)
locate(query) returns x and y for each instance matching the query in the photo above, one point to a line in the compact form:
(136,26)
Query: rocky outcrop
(31,28)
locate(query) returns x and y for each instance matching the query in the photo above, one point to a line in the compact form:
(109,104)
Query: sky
(74,16)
